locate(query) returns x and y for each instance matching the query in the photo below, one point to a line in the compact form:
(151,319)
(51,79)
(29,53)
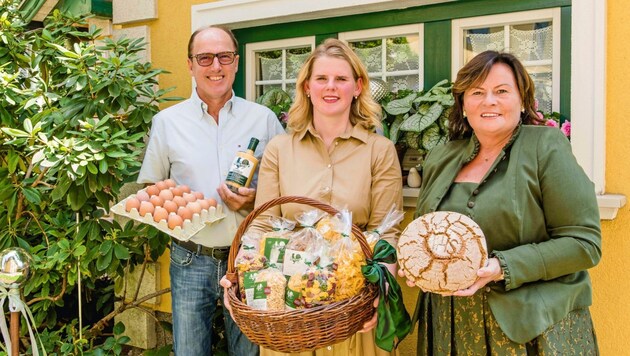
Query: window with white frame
(532,36)
(275,64)
(393,54)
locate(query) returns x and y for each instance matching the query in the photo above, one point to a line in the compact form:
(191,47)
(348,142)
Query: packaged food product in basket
(348,259)
(269,290)
(273,243)
(300,250)
(391,219)
(316,287)
(247,265)
(329,227)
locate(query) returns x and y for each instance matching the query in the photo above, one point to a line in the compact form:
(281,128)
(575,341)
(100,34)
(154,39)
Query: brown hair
(364,110)
(222,28)
(474,73)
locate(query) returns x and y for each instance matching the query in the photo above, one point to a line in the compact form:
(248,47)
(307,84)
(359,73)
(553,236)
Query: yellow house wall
(611,309)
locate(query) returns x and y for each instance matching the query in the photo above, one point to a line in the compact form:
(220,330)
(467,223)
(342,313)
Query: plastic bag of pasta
(348,259)
(269,289)
(314,287)
(273,243)
(329,227)
(248,264)
(391,219)
(299,252)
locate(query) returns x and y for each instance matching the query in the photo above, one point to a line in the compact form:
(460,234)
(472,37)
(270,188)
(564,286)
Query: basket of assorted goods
(174,209)
(298,290)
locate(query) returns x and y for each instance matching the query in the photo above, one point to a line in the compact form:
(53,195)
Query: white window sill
(609,204)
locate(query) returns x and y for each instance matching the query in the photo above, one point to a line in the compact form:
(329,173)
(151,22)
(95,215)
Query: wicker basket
(301,329)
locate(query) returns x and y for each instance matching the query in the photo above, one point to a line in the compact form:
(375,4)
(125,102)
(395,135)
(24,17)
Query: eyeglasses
(206,59)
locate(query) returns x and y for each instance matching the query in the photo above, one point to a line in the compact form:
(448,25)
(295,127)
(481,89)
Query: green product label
(291,297)
(260,295)
(274,250)
(249,282)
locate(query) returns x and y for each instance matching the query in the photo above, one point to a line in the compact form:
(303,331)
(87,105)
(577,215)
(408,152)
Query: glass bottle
(243,167)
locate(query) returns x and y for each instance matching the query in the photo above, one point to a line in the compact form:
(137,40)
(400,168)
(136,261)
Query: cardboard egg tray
(190,228)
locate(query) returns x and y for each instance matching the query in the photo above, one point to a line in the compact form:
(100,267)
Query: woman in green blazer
(538,212)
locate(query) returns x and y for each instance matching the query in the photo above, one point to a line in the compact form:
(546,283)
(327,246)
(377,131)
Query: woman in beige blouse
(333,155)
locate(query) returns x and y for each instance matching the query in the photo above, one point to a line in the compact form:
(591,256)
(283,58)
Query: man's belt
(220,253)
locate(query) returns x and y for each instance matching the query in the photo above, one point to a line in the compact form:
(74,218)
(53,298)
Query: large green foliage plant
(73,113)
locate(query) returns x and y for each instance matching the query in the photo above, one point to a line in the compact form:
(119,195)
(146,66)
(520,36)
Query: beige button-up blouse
(359,171)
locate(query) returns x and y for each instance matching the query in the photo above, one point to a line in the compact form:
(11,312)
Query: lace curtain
(527,45)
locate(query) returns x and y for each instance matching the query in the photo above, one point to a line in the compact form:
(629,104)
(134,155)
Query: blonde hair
(364,110)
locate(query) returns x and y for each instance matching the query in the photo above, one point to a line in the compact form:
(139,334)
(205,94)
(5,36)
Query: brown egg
(152,190)
(177,191)
(199,195)
(142,195)
(156,200)
(180,201)
(175,220)
(146,208)
(205,204)
(212,202)
(170,206)
(194,206)
(132,203)
(161,185)
(185,188)
(189,197)
(166,194)
(170,183)
(159,214)
(185,213)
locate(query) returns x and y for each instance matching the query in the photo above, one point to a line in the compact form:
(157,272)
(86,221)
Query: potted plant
(418,119)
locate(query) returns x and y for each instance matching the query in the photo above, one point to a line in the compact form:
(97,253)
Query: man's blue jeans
(195,290)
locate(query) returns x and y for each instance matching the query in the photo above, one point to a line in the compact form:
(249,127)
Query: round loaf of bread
(442,251)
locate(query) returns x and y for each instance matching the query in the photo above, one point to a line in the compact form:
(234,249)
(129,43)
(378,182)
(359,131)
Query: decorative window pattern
(393,54)
(275,64)
(532,36)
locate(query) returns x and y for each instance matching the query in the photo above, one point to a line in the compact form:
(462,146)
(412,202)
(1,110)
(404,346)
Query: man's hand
(235,202)
(226,302)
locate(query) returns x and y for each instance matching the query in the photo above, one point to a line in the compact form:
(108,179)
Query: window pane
(402,53)
(483,39)
(295,58)
(404,82)
(541,75)
(261,89)
(532,41)
(269,65)
(370,53)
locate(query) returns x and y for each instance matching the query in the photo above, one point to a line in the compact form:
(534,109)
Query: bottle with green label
(243,167)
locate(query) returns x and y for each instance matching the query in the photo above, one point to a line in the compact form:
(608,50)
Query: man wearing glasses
(194,143)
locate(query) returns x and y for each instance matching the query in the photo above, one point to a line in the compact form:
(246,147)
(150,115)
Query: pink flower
(551,123)
(540,116)
(566,128)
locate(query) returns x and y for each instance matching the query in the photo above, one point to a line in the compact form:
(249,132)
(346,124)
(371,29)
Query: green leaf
(395,128)
(79,251)
(14,132)
(60,189)
(400,106)
(13,159)
(121,252)
(418,123)
(119,328)
(431,137)
(106,247)
(32,195)
(104,261)
(102,166)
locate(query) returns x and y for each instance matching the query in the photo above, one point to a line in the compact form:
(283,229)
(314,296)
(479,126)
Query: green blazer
(538,211)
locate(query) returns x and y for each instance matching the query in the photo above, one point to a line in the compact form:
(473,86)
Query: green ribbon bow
(393,319)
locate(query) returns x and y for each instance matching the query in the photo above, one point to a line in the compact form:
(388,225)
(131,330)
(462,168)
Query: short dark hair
(474,73)
(222,28)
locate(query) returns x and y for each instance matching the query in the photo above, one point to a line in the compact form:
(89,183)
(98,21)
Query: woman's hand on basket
(226,302)
(370,324)
(235,202)
(401,273)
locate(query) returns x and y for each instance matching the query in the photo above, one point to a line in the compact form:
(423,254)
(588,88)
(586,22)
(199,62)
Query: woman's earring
(308,95)
(522,110)
(464,113)
(356,97)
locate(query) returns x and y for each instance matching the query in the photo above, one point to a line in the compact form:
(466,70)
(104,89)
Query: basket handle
(231,273)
